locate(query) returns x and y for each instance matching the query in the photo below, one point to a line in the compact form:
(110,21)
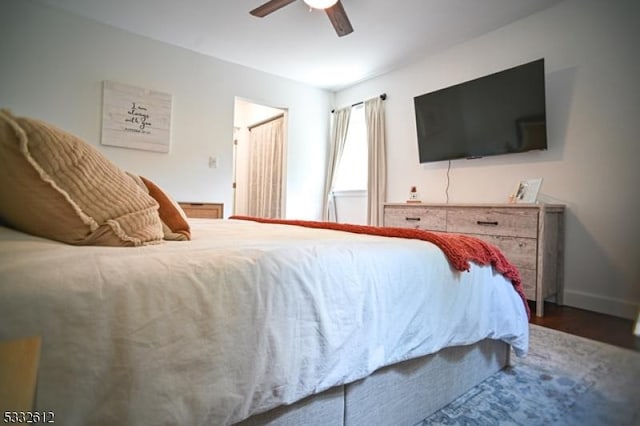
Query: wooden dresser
(530,235)
(203,210)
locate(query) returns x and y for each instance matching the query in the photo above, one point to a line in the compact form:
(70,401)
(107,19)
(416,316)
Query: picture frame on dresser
(531,236)
(526,191)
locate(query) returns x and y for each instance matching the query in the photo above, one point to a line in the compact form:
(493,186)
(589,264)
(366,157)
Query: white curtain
(376,142)
(339,127)
(265,169)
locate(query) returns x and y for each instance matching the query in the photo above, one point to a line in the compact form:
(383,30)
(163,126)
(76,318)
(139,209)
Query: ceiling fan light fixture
(320,4)
(333,8)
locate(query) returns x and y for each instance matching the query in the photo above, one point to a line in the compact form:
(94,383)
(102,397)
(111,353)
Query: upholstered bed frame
(400,394)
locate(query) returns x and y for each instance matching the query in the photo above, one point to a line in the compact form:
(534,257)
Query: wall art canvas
(137,118)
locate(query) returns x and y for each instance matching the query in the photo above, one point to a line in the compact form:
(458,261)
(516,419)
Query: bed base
(400,394)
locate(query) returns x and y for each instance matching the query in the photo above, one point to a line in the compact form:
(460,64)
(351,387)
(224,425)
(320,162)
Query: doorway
(259,151)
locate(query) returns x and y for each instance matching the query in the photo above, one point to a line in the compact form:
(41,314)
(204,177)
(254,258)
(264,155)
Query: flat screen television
(496,114)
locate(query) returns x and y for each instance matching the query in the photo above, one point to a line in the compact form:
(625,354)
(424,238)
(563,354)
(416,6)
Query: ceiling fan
(334,9)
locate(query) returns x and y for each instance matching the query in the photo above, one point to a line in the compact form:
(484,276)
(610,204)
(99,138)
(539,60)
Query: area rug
(564,380)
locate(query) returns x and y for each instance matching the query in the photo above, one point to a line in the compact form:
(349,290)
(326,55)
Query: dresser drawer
(428,218)
(522,252)
(528,282)
(511,222)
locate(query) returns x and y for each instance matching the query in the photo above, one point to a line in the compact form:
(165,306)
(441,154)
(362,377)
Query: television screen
(497,114)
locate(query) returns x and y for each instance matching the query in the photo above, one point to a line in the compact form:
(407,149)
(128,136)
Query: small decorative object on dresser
(531,236)
(413,196)
(203,210)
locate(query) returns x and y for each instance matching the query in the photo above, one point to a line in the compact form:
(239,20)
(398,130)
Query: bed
(248,317)
(146,317)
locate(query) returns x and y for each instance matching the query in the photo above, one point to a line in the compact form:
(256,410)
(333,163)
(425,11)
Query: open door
(259,158)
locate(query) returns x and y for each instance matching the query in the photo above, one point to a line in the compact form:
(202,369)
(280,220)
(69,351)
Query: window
(352,170)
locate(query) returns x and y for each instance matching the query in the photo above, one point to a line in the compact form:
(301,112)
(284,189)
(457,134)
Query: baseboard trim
(605,305)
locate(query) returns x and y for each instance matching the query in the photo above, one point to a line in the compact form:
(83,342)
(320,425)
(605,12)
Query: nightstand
(203,210)
(19,361)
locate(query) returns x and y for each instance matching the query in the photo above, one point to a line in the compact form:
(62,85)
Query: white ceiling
(300,44)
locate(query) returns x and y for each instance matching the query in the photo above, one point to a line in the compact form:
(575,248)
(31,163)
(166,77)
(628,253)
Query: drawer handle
(412,219)
(487,223)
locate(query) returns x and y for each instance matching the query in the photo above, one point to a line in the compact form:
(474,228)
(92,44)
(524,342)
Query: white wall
(53,65)
(593,105)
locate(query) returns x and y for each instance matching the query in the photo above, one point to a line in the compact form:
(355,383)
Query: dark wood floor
(592,325)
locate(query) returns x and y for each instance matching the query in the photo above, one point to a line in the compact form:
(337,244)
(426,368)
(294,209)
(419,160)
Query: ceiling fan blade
(339,19)
(269,7)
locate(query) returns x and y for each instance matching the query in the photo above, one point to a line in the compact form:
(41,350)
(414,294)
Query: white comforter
(244,318)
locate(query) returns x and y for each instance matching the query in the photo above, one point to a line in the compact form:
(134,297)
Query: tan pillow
(175,225)
(55,185)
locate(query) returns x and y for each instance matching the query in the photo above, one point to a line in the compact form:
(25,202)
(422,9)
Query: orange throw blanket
(459,249)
